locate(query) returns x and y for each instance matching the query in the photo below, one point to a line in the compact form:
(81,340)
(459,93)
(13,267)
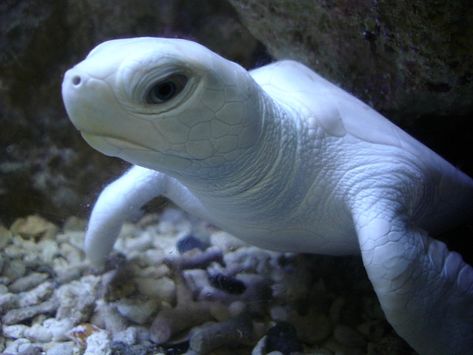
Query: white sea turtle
(285,160)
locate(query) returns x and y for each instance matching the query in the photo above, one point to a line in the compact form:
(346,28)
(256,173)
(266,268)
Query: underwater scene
(236,177)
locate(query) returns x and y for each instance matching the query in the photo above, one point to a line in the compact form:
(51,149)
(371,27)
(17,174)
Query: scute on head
(151,94)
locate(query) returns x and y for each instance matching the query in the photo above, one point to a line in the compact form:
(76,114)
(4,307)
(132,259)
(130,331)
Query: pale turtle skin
(282,159)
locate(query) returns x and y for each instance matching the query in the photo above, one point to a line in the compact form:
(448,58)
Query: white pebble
(49,249)
(38,333)
(107,316)
(164,288)
(98,343)
(58,328)
(74,238)
(8,301)
(17,346)
(128,336)
(136,310)
(14,331)
(71,253)
(14,269)
(27,282)
(37,295)
(65,348)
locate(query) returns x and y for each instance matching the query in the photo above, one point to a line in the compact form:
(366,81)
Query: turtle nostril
(76,80)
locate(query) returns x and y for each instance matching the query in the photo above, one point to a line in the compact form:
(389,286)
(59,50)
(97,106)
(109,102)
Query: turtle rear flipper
(425,290)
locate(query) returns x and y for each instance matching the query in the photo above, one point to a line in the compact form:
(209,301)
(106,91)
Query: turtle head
(166,104)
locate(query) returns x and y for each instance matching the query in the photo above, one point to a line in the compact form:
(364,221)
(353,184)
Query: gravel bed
(176,285)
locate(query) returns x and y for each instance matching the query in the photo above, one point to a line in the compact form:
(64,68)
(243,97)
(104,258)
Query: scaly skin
(285,160)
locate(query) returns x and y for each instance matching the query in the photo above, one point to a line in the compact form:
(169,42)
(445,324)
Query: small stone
(65,348)
(71,253)
(189,242)
(235,331)
(30,350)
(14,331)
(127,336)
(348,336)
(70,273)
(122,348)
(283,337)
(77,299)
(8,301)
(49,249)
(38,333)
(98,343)
(227,283)
(107,316)
(2,262)
(74,238)
(58,328)
(219,311)
(14,269)
(5,236)
(27,282)
(138,244)
(163,289)
(33,226)
(15,347)
(136,310)
(15,316)
(154,257)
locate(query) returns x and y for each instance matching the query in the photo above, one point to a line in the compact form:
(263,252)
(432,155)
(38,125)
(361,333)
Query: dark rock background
(406,58)
(409,59)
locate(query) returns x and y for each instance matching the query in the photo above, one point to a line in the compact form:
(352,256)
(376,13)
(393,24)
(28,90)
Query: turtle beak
(71,85)
(83,96)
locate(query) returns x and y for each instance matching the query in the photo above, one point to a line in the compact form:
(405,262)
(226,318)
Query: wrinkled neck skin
(257,174)
(255,165)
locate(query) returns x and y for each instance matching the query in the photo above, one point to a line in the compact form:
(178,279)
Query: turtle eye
(164,90)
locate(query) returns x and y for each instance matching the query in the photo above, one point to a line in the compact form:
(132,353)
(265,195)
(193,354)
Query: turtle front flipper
(425,290)
(123,199)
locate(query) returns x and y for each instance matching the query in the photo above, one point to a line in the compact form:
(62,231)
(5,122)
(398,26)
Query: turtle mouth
(112,145)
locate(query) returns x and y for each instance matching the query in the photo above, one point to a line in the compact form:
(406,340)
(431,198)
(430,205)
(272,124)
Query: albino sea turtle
(285,160)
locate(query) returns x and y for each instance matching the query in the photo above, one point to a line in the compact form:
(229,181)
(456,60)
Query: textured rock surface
(45,167)
(405,57)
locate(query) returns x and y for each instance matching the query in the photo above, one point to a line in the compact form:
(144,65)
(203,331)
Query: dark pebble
(121,348)
(228,284)
(283,338)
(190,242)
(32,350)
(176,349)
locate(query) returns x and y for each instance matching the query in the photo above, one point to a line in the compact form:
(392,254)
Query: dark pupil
(164,91)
